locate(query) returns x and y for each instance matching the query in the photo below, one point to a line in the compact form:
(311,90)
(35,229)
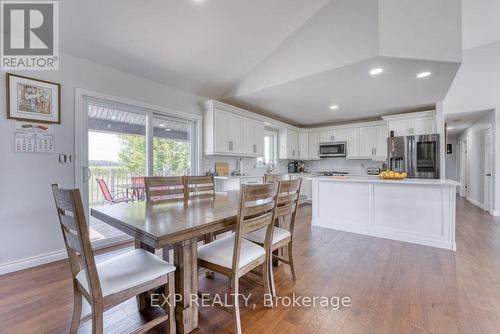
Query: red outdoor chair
(108,197)
(138,181)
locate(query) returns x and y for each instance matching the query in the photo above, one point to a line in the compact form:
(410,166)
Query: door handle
(87,174)
(488,174)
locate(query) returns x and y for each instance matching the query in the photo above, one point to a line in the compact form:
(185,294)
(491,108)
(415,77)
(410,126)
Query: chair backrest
(160,188)
(256,210)
(76,236)
(272,178)
(138,180)
(105,190)
(199,186)
(288,201)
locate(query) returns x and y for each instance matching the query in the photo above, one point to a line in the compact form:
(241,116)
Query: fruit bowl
(391,175)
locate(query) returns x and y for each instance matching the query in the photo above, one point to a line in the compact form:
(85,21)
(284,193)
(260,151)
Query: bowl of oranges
(392,175)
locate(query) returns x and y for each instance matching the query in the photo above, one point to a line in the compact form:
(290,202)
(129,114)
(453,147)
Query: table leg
(186,285)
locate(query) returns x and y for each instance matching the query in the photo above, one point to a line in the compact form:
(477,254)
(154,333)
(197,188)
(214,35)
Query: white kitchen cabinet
(380,137)
(303,145)
(313,146)
(226,133)
(412,124)
(306,185)
(333,135)
(366,142)
(353,144)
(289,144)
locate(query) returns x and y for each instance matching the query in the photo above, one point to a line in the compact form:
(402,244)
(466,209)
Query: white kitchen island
(412,210)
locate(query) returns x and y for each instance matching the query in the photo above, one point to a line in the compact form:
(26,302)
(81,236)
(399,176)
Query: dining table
(175,224)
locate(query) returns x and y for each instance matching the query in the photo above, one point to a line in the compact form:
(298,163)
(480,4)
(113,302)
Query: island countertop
(375,179)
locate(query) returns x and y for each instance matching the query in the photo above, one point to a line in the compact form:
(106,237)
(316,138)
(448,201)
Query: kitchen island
(413,210)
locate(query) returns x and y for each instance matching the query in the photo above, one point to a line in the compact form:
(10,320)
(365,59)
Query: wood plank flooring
(394,287)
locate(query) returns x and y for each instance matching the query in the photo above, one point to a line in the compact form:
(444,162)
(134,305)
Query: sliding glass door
(121,145)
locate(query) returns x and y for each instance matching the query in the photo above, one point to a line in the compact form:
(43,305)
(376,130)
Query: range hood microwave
(332,149)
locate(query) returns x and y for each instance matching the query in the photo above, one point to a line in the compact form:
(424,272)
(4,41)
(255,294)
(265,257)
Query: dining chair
(271,178)
(288,203)
(161,188)
(235,256)
(113,281)
(199,186)
(108,197)
(138,193)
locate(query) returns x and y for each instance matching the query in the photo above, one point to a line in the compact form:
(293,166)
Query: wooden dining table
(177,224)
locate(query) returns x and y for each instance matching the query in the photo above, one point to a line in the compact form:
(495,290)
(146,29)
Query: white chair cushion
(259,236)
(127,270)
(220,252)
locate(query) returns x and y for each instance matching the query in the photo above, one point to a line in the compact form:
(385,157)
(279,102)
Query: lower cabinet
(306,187)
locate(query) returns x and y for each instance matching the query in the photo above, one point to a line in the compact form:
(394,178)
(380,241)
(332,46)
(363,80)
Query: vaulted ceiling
(290,59)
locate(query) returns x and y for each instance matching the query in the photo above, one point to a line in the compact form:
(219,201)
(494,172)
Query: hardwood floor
(394,287)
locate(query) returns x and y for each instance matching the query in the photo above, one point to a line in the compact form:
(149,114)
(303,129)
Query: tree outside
(170,157)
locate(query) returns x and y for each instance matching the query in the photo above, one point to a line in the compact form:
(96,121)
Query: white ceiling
(480,22)
(358,94)
(204,47)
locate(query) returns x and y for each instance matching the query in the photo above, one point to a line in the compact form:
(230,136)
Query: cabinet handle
(230,145)
(254,148)
(293,152)
(374,151)
(332,138)
(299,153)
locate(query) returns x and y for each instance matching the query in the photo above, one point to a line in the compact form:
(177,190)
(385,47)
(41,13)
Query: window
(269,159)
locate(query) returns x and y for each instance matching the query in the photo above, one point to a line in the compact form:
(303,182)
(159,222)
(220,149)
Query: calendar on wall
(33,138)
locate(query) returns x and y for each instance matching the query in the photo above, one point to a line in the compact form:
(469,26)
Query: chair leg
(267,277)
(170,305)
(236,303)
(97,319)
(290,259)
(77,311)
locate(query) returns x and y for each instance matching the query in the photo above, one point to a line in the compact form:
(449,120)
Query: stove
(334,173)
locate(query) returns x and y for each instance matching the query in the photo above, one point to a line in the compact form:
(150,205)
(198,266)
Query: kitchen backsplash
(249,165)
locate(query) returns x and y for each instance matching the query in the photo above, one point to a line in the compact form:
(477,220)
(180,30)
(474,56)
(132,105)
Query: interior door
(488,169)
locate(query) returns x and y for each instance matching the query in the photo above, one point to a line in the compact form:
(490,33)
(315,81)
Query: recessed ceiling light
(423,74)
(161,125)
(334,107)
(376,71)
(450,128)
(168,129)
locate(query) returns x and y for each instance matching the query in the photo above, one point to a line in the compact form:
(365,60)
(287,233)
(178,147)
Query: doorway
(463,169)
(120,143)
(488,170)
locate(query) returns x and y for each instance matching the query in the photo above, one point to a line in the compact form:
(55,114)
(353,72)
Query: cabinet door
(340,135)
(292,144)
(247,136)
(353,143)
(423,126)
(313,145)
(303,145)
(400,127)
(258,149)
(235,134)
(380,141)
(326,136)
(366,144)
(221,132)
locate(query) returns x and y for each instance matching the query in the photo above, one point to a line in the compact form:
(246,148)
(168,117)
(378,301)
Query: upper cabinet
(412,124)
(303,145)
(367,142)
(313,146)
(226,133)
(333,135)
(288,144)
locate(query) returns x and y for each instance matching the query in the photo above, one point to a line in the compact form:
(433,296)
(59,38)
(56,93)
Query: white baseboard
(476,203)
(29,262)
(495,213)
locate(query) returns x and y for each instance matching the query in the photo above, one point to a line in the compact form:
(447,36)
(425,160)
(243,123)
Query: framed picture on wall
(33,100)
(449,149)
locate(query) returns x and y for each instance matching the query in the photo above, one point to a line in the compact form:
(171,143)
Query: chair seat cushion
(220,252)
(126,271)
(259,236)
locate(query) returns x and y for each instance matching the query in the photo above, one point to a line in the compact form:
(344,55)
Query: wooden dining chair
(113,281)
(272,178)
(288,203)
(199,186)
(161,188)
(234,256)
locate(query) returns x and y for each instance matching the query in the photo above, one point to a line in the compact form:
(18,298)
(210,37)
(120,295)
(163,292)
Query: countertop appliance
(332,149)
(296,167)
(418,156)
(334,173)
(373,170)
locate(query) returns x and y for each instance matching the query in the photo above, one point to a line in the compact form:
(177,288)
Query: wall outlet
(64,158)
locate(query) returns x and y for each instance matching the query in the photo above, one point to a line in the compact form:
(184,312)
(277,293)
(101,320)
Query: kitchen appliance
(333,149)
(334,173)
(418,156)
(373,170)
(296,167)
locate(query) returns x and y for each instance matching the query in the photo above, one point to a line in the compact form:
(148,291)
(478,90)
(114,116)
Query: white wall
(474,136)
(451,168)
(28,224)
(477,87)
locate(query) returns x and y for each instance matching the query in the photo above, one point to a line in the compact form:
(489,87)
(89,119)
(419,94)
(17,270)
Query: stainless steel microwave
(335,149)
